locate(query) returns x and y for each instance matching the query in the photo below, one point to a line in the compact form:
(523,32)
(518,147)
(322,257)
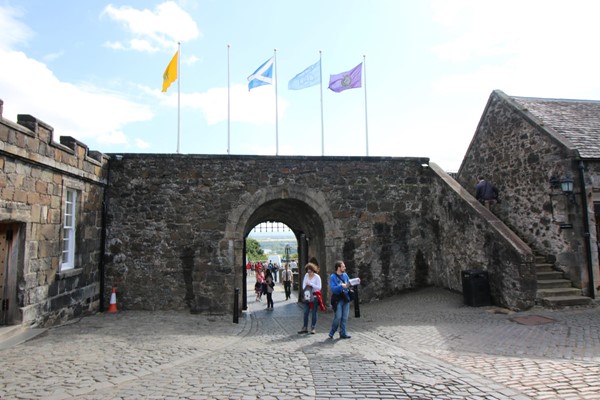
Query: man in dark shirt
(486,192)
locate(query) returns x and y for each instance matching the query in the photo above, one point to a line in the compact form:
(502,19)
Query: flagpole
(228,105)
(178,93)
(366,120)
(276,111)
(322,126)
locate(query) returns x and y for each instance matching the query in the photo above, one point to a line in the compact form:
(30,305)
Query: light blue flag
(262,76)
(311,76)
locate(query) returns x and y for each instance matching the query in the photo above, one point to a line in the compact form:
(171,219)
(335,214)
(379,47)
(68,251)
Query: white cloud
(142,45)
(89,113)
(190,60)
(114,137)
(535,48)
(141,144)
(13,31)
(133,44)
(166,25)
(255,107)
(115,45)
(79,111)
(53,56)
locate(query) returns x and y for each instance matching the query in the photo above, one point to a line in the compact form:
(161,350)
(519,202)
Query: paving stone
(419,345)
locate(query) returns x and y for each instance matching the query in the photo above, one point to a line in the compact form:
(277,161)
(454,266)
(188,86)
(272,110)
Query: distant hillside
(275,242)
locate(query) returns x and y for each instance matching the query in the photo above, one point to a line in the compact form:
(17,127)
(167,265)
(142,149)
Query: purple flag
(346,80)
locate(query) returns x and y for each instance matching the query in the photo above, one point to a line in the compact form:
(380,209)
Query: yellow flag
(170,74)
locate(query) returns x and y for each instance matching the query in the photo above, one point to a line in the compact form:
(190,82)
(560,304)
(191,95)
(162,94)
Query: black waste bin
(476,288)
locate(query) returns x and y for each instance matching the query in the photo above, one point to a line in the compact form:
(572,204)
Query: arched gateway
(303,210)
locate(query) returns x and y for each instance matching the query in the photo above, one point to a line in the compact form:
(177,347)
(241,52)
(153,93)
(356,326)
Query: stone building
(168,230)
(51,196)
(528,147)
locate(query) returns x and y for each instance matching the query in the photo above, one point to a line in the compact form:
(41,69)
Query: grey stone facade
(177,224)
(520,144)
(35,174)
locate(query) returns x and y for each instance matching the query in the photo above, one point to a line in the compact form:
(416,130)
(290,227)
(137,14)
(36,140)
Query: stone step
(556,292)
(546,275)
(544,267)
(554,283)
(10,331)
(18,335)
(566,301)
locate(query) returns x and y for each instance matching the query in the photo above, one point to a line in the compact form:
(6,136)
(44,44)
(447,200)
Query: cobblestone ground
(420,345)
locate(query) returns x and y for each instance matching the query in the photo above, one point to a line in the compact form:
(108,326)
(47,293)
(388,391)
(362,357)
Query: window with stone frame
(69,224)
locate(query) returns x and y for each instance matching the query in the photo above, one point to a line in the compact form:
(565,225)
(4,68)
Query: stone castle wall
(177,223)
(35,173)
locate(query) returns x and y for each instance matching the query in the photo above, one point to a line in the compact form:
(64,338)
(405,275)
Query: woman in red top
(260,278)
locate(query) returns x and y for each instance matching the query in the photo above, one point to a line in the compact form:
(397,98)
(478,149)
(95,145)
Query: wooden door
(8,278)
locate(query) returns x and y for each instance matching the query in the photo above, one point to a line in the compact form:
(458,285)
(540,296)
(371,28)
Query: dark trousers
(287,285)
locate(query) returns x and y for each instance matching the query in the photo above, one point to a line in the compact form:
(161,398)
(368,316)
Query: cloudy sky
(93,70)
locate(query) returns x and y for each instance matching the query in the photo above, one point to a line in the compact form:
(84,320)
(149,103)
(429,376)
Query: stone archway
(303,210)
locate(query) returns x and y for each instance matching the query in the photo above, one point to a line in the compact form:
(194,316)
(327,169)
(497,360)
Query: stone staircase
(553,290)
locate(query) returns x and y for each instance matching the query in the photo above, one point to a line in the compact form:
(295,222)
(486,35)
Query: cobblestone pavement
(419,345)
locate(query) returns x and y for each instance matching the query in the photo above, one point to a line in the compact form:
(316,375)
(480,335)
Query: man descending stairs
(553,290)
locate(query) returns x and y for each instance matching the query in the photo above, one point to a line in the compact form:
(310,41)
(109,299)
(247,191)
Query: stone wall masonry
(176,226)
(467,236)
(36,171)
(513,150)
(169,214)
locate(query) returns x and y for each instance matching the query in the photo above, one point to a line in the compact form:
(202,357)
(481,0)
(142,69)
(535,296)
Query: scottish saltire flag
(262,76)
(346,80)
(311,76)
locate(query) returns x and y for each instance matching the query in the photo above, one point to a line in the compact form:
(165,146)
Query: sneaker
(312,332)
(330,336)
(345,336)
(303,330)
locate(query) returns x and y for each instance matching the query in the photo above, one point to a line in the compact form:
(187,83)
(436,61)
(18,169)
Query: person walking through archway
(258,287)
(311,287)
(269,288)
(286,276)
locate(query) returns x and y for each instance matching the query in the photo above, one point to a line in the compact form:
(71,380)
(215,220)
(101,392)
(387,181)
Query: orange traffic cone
(112,308)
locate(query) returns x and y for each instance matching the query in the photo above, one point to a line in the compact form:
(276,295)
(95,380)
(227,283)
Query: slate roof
(578,121)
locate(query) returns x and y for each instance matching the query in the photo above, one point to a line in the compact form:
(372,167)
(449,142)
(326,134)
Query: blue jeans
(314,314)
(341,318)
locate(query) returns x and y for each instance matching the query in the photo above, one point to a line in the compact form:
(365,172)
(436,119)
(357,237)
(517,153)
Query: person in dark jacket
(486,193)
